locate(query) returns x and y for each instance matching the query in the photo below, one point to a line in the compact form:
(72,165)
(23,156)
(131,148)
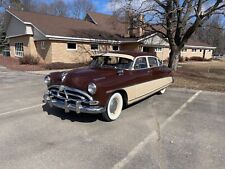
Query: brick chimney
(140,30)
(129,24)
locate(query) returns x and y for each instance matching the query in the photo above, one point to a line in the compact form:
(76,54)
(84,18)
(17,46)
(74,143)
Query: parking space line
(18,110)
(153,134)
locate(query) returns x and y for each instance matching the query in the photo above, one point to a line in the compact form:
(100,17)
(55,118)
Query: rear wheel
(162,91)
(114,107)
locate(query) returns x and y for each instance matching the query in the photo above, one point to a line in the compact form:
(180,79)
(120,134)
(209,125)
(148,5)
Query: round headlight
(47,80)
(92,88)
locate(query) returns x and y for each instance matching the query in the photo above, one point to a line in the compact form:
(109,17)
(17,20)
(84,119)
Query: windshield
(111,62)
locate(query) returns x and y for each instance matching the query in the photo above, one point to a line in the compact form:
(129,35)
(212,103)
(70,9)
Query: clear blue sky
(101,5)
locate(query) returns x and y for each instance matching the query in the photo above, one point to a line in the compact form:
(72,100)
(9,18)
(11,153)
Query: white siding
(155,41)
(29,30)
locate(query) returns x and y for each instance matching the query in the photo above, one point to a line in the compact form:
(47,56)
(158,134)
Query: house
(61,39)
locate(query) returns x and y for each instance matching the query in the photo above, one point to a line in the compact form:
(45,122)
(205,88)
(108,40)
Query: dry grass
(201,75)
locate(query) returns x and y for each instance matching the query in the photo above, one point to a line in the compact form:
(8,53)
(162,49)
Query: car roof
(126,54)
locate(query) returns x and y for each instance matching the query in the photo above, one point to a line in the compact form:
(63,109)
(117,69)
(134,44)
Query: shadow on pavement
(72,116)
(84,118)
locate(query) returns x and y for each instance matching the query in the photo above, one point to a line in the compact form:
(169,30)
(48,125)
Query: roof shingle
(63,26)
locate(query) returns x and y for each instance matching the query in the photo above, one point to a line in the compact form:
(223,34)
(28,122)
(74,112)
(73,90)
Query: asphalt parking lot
(181,129)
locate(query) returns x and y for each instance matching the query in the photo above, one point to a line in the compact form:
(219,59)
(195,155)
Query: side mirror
(120,72)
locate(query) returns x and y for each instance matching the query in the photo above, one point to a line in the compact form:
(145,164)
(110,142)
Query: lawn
(201,75)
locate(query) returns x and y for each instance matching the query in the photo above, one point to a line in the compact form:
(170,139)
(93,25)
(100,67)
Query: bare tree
(79,8)
(28,5)
(23,5)
(58,8)
(213,33)
(43,8)
(175,20)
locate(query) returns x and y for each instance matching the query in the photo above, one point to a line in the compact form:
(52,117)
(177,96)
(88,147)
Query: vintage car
(111,82)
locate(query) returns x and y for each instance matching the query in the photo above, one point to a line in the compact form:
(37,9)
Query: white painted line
(143,143)
(18,110)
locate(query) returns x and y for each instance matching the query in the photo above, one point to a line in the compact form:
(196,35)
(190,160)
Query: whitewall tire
(162,91)
(114,107)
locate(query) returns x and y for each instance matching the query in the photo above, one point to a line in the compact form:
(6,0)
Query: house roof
(63,26)
(102,27)
(109,22)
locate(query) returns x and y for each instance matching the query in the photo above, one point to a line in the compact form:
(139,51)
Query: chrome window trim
(135,62)
(148,67)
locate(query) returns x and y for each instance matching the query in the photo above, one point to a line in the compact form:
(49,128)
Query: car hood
(80,78)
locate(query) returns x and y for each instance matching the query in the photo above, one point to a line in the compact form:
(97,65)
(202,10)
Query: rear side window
(141,63)
(152,62)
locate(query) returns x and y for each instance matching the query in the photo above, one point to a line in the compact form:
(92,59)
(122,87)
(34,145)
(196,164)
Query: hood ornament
(63,76)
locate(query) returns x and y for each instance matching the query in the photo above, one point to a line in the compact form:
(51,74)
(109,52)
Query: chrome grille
(70,94)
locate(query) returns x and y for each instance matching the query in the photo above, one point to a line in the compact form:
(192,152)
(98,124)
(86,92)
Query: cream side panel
(142,90)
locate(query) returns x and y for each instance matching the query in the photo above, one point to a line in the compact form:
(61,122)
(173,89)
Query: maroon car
(110,82)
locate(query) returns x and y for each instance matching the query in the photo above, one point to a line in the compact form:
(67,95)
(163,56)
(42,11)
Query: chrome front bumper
(78,107)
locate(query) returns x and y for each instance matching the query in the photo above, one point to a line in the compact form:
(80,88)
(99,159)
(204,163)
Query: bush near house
(29,60)
(14,64)
(32,64)
(186,59)
(196,58)
(181,59)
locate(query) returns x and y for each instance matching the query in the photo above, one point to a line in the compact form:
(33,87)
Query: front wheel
(114,107)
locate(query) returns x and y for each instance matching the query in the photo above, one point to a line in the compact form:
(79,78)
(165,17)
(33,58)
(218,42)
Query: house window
(71,46)
(194,50)
(145,49)
(158,49)
(94,46)
(184,50)
(115,47)
(19,52)
(43,45)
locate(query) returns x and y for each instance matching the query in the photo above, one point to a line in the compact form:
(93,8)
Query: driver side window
(141,63)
